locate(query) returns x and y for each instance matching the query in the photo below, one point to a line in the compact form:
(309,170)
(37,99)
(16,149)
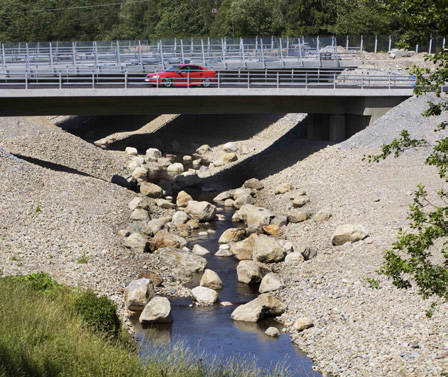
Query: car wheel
(206,83)
(167,83)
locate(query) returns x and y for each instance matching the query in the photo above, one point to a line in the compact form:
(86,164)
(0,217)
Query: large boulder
(230,147)
(183,199)
(139,202)
(241,192)
(205,296)
(294,257)
(223,196)
(203,149)
(137,294)
(180,217)
(151,190)
(152,154)
(302,323)
(232,235)
(242,200)
(165,239)
(201,211)
(243,249)
(200,250)
(137,242)
(151,275)
(157,310)
(253,184)
(153,226)
(140,173)
(183,259)
(250,272)
(131,151)
(263,306)
(273,230)
(270,282)
(211,279)
(139,214)
(267,250)
(228,157)
(177,167)
(348,233)
(253,215)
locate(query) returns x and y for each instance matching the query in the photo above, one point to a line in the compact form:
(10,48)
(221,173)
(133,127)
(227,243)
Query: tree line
(70,20)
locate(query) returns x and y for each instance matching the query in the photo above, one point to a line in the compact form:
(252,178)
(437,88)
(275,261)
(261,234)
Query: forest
(78,20)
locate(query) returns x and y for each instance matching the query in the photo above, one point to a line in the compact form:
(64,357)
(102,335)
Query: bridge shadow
(187,132)
(91,128)
(52,165)
(285,152)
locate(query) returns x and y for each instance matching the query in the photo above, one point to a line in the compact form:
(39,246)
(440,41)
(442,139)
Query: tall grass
(42,334)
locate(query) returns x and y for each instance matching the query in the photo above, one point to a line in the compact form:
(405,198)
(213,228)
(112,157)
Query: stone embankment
(313,229)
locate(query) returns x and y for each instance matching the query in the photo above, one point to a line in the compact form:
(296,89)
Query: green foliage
(373,283)
(45,336)
(411,258)
(98,312)
(38,281)
(83,259)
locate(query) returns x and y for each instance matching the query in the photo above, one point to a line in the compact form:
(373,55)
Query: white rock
(272,331)
(180,217)
(182,259)
(151,190)
(270,282)
(152,154)
(205,296)
(177,167)
(211,279)
(139,214)
(348,233)
(203,149)
(250,272)
(230,147)
(140,173)
(201,211)
(267,250)
(255,310)
(137,294)
(137,242)
(295,257)
(302,324)
(131,151)
(199,250)
(157,310)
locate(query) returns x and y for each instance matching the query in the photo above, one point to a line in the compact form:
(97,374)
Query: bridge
(339,103)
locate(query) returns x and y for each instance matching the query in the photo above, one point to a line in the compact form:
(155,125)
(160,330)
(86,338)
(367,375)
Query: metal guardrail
(336,79)
(139,55)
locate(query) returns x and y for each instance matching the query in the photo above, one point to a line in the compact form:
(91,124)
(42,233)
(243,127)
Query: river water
(210,330)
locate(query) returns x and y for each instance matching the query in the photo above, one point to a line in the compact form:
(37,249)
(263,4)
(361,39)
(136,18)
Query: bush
(39,281)
(99,312)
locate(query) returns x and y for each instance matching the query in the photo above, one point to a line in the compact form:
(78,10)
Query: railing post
(362,80)
(416,48)
(243,54)
(287,45)
(306,79)
(26,80)
(74,56)
(376,44)
(60,80)
(318,52)
(278,79)
(346,42)
(182,51)
(126,80)
(4,57)
(27,57)
(161,54)
(389,80)
(219,80)
(262,53)
(300,55)
(140,54)
(223,46)
(430,45)
(443,43)
(157,81)
(272,42)
(51,58)
(281,52)
(334,80)
(188,79)
(336,52)
(93,80)
(118,55)
(248,79)
(202,52)
(362,43)
(390,43)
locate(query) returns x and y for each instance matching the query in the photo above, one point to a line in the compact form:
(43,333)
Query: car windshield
(173,68)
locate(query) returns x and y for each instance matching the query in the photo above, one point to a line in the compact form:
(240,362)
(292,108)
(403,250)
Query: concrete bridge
(335,112)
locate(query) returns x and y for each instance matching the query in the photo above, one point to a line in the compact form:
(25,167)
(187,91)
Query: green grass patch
(48,329)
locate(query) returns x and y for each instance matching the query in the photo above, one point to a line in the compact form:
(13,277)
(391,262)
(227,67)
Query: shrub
(99,312)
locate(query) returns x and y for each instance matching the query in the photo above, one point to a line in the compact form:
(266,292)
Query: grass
(45,330)
(83,259)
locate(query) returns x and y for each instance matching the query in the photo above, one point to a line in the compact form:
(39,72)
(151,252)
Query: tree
(410,260)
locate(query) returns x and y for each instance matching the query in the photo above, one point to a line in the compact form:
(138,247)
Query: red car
(183,75)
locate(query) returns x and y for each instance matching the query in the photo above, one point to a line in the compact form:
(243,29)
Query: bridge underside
(333,117)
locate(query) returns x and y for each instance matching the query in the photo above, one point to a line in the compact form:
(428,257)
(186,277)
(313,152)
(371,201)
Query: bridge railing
(279,79)
(141,56)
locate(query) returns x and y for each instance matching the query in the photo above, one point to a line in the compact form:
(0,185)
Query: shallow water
(210,329)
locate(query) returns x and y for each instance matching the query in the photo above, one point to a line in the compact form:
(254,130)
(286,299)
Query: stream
(209,330)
